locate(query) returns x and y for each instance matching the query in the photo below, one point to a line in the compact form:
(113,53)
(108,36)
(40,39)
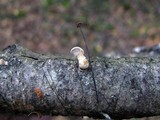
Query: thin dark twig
(89,59)
(85,42)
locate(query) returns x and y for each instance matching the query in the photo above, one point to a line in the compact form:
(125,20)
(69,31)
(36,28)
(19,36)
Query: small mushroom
(107,117)
(82,60)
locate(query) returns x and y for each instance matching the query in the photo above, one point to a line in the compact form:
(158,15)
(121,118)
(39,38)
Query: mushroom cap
(77,51)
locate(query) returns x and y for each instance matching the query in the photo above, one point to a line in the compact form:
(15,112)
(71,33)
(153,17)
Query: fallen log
(126,87)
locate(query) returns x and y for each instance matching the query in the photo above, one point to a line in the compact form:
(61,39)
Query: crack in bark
(34,58)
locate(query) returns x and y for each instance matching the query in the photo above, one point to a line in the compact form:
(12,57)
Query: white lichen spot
(142,71)
(49,61)
(3,62)
(4,76)
(156,70)
(144,67)
(51,76)
(16,81)
(29,72)
(54,75)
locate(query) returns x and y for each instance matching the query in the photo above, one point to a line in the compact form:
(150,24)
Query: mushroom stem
(83,62)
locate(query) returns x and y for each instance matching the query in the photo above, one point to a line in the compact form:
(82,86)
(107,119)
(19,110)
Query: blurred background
(49,26)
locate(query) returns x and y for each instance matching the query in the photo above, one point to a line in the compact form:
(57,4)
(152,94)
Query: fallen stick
(31,82)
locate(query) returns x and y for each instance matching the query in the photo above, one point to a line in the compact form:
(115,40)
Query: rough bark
(126,87)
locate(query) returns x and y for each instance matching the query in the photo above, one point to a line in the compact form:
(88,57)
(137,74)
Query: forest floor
(50,26)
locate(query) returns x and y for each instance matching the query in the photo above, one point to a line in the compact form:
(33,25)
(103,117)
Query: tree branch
(127,87)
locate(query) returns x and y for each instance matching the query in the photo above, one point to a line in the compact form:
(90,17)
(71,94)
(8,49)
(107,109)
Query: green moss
(47,3)
(135,33)
(19,13)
